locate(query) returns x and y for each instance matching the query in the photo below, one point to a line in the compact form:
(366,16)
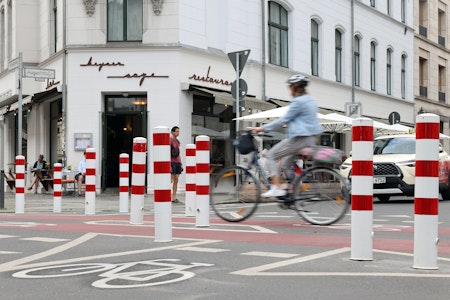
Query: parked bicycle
(319,193)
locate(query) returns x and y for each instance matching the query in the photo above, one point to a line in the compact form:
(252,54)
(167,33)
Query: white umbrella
(381,128)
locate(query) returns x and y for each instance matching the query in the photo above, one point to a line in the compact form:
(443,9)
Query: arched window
(356,61)
(338,55)
(314,48)
(389,71)
(278,35)
(403,76)
(373,66)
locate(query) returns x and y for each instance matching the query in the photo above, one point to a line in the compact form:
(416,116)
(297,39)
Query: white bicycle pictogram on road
(122,275)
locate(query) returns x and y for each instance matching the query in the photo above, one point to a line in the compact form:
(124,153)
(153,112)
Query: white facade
(184,50)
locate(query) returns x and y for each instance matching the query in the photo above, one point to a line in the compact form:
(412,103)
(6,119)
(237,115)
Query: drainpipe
(263,52)
(64,90)
(353,48)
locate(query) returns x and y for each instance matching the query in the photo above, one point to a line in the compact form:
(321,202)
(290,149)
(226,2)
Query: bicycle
(319,193)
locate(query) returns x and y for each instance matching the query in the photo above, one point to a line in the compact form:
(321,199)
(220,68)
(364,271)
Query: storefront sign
(141,76)
(51,83)
(90,63)
(207,78)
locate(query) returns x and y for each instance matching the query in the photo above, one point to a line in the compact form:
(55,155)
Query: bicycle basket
(327,155)
(245,144)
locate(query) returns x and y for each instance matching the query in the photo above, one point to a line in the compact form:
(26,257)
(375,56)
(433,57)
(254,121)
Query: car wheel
(446,192)
(383,198)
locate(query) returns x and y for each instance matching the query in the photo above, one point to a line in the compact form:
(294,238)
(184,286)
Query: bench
(10,180)
(45,177)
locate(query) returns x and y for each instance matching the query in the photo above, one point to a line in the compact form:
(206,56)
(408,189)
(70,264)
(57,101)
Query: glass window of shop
(216,121)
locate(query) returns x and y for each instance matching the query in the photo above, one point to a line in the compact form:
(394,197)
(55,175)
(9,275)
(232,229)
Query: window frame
(315,44)
(278,52)
(124,23)
(373,69)
(403,76)
(356,60)
(338,55)
(389,71)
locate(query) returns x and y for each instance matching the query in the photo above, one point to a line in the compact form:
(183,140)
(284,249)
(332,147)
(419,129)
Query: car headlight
(408,163)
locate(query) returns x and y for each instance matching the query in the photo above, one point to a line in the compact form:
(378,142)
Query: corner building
(123,67)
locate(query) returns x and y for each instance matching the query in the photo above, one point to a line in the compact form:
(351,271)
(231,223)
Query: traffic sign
(39,73)
(243,55)
(394,118)
(242,89)
(353,109)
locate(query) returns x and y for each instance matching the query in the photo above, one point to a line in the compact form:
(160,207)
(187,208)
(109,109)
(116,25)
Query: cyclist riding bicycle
(303,128)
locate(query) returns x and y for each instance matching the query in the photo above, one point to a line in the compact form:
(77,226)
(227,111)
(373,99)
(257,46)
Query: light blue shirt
(82,166)
(301,118)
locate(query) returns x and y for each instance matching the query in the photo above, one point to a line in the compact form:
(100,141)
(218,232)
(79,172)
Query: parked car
(394,167)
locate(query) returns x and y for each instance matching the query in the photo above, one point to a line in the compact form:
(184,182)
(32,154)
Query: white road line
(270,254)
(396,216)
(19,264)
(44,239)
(4,236)
(202,249)
(260,269)
(9,252)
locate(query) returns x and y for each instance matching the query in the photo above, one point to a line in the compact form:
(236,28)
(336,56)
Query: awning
(49,95)
(224,97)
(280,103)
(13,106)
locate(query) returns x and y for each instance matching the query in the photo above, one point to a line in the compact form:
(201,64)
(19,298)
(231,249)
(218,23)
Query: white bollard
(90,195)
(202,180)
(124,181)
(162,184)
(426,192)
(190,208)
(20,184)
(138,173)
(362,190)
(57,187)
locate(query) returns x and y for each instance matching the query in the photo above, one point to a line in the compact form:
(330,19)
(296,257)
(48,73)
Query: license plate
(379,180)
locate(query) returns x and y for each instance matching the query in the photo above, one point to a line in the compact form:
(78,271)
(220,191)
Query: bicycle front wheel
(321,195)
(235,194)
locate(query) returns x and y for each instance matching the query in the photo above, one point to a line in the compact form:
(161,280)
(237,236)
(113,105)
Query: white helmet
(302,80)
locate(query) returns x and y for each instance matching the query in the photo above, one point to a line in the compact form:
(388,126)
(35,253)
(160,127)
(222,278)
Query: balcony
(441,40)
(423,91)
(442,97)
(422,30)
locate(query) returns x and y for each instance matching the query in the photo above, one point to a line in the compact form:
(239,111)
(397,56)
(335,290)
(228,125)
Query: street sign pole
(19,121)
(237,94)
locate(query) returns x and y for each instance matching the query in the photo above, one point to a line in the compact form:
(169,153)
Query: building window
(388,4)
(356,61)
(403,12)
(442,32)
(372,66)
(403,76)
(278,35)
(53,25)
(9,31)
(423,17)
(372,3)
(2,38)
(124,20)
(314,48)
(423,77)
(338,55)
(389,71)
(442,83)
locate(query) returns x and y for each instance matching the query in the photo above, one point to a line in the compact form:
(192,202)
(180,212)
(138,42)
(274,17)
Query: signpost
(39,73)
(239,86)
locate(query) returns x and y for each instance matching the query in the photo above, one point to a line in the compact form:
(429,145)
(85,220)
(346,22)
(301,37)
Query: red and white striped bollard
(57,187)
(124,181)
(202,180)
(362,190)
(190,181)
(426,192)
(20,184)
(89,181)
(138,172)
(162,184)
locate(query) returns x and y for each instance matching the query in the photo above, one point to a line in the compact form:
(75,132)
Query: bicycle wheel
(235,194)
(321,195)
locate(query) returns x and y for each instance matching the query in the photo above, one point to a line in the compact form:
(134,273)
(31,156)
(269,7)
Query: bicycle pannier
(327,155)
(245,144)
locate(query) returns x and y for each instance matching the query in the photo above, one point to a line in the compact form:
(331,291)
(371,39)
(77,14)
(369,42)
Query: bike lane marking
(264,270)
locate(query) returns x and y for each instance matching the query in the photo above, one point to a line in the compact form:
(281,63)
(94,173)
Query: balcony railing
(442,97)
(422,30)
(423,91)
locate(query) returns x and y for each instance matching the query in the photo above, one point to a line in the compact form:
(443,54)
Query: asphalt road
(273,255)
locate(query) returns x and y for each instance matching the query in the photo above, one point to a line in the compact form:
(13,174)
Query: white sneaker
(274,192)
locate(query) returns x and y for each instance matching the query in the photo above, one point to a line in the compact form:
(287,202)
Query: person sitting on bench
(40,164)
(79,178)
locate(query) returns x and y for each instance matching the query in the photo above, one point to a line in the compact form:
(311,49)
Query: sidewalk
(107,202)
